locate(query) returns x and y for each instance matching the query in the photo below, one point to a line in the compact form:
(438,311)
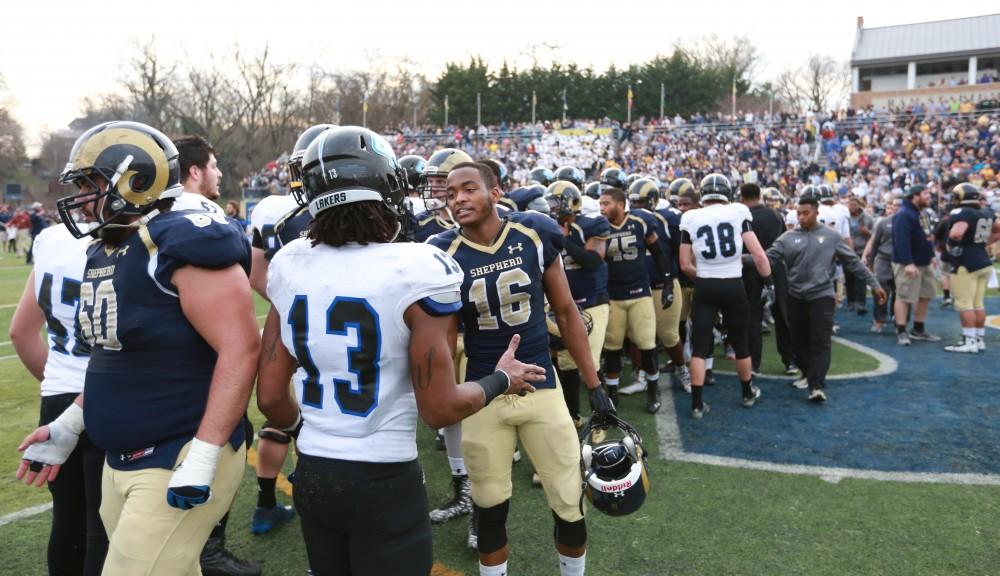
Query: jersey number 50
(362,359)
(98,314)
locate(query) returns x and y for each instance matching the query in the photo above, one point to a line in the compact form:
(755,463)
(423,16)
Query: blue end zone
(938,413)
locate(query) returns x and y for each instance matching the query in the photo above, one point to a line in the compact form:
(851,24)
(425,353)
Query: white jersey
(265,215)
(590,207)
(191,201)
(792,218)
(716,233)
(837,217)
(59,262)
(348,335)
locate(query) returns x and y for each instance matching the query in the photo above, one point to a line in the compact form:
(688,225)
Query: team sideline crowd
(451,288)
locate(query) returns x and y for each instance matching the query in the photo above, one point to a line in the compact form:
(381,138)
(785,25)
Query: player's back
(341,313)
(265,217)
(716,234)
(59,262)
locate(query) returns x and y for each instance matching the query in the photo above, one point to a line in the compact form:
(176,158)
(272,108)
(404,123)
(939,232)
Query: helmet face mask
(121,169)
(615,472)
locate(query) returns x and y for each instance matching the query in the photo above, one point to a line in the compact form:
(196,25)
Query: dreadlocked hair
(361,222)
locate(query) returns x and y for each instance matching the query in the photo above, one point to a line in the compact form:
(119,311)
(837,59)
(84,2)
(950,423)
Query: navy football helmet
(542,176)
(295,159)
(613,178)
(615,472)
(570,174)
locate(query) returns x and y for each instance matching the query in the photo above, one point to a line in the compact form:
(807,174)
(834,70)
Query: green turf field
(698,519)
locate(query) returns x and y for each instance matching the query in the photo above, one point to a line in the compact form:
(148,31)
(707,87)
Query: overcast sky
(53,53)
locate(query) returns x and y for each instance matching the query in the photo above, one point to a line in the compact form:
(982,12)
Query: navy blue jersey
(523,197)
(970,251)
(673,218)
(150,371)
(291,227)
(589,287)
(430,226)
(657,223)
(626,258)
(503,293)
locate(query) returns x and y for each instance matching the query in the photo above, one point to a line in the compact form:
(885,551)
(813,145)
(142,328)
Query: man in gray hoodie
(810,253)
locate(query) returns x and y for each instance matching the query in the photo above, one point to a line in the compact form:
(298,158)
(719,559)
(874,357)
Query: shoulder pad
(202,239)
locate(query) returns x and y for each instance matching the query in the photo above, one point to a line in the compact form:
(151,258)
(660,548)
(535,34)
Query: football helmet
(543,176)
(644,193)
(352,164)
(716,187)
(436,172)
(503,175)
(772,197)
(966,194)
(614,178)
(571,174)
(530,198)
(615,472)
(138,164)
(826,195)
(564,199)
(414,167)
(680,186)
(631,178)
(810,192)
(294,165)
(592,190)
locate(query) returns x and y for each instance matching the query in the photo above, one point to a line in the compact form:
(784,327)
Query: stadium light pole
(479,110)
(416,100)
(445,110)
(534,102)
(364,109)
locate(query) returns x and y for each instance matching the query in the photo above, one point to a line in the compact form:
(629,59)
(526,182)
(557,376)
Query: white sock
(969,333)
(981,332)
(453,440)
(709,362)
(572,566)
(612,381)
(457,466)
(653,377)
(500,570)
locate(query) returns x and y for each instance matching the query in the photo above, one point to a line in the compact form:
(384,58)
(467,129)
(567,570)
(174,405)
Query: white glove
(64,432)
(191,483)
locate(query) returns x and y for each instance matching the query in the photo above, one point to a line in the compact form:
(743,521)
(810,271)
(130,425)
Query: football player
(584,247)
(632,311)
(512,265)
(971,229)
(644,196)
(437,219)
(200,175)
(152,291)
(368,357)
(272,444)
(77,540)
(713,238)
(542,176)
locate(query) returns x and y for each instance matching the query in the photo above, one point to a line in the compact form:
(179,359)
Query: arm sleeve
(551,236)
(661,259)
(852,263)
(587,259)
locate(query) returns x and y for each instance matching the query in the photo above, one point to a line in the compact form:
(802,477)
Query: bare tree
(151,84)
(736,57)
(11,137)
(815,85)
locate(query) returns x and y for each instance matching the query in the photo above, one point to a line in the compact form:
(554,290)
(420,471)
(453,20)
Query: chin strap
(136,224)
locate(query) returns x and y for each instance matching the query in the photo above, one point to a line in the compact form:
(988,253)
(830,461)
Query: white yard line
(886,364)
(26,513)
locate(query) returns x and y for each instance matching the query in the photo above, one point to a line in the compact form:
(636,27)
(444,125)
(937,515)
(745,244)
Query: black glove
(600,402)
(667,297)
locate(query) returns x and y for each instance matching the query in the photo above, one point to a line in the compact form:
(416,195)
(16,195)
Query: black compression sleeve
(587,259)
(685,237)
(661,258)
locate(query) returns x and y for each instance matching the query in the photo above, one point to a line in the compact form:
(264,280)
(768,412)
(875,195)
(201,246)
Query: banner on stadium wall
(582,131)
(928,96)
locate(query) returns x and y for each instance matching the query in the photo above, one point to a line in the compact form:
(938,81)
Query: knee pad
(271,433)
(648,358)
(492,524)
(613,361)
(571,534)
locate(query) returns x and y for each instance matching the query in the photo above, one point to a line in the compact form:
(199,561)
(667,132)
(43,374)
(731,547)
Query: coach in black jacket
(767,225)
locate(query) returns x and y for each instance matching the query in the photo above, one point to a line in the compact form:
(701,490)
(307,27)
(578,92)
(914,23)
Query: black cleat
(217,561)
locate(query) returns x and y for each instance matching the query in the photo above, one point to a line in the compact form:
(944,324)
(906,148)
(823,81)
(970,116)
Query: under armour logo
(123,251)
(821,240)
(515,248)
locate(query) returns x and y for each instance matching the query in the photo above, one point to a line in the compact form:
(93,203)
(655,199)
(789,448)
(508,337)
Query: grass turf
(698,519)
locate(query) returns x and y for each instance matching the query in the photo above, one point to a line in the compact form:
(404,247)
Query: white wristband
(71,419)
